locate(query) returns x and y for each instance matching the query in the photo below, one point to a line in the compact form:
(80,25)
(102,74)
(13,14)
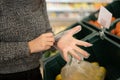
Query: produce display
(91,71)
(95,23)
(114,8)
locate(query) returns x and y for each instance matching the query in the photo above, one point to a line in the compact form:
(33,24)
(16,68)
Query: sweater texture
(20,22)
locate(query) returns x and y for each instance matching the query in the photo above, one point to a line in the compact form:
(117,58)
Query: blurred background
(63,13)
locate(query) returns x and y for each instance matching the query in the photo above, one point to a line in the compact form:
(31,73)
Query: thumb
(74,30)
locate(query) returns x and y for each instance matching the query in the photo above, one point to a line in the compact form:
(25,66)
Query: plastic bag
(82,70)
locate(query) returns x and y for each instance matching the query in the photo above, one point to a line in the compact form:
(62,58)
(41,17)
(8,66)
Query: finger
(81,51)
(83,43)
(74,54)
(50,39)
(65,56)
(49,34)
(47,47)
(49,43)
(74,30)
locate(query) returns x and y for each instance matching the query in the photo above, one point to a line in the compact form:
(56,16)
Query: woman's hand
(41,43)
(68,44)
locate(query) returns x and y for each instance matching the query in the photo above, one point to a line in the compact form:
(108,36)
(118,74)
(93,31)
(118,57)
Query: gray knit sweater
(20,22)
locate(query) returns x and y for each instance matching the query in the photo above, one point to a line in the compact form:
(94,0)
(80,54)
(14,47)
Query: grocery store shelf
(79,1)
(69,10)
(64,19)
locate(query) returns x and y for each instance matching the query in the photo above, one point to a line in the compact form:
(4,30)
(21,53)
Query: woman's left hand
(67,44)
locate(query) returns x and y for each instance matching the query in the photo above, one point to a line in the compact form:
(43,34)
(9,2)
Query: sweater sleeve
(13,50)
(49,28)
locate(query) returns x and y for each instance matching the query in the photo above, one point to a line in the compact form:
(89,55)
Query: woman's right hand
(41,43)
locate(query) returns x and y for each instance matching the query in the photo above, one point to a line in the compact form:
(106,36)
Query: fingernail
(88,45)
(80,28)
(87,55)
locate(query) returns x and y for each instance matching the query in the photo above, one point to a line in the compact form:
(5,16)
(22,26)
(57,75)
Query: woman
(25,33)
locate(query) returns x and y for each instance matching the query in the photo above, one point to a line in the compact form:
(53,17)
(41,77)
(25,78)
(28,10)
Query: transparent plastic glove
(67,44)
(82,70)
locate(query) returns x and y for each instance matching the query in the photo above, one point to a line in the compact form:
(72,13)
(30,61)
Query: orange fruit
(91,22)
(95,23)
(118,34)
(117,29)
(113,31)
(113,19)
